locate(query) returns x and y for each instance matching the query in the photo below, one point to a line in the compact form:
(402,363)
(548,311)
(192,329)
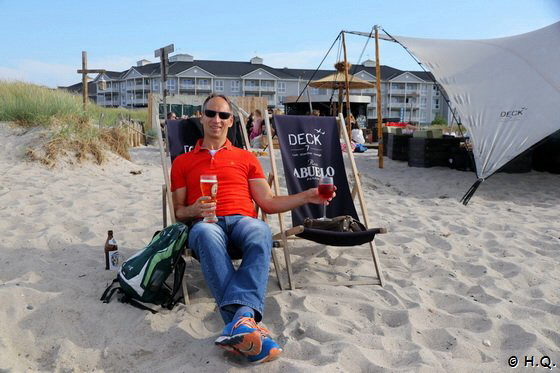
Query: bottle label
(114,262)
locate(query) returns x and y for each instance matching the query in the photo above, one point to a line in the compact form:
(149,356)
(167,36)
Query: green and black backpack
(144,276)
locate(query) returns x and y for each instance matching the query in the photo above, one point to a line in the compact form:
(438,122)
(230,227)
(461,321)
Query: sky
(42,41)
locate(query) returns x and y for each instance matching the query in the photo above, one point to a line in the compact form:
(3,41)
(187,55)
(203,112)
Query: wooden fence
(134,131)
(250,104)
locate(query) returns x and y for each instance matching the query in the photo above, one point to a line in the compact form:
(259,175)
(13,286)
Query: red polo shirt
(234,168)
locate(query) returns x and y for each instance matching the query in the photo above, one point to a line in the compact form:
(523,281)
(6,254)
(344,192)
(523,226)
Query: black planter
(428,152)
(397,147)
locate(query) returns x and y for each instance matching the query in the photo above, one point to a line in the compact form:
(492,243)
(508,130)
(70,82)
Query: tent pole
(348,124)
(467,197)
(380,144)
(309,100)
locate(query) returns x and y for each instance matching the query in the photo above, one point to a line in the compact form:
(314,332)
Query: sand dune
(466,286)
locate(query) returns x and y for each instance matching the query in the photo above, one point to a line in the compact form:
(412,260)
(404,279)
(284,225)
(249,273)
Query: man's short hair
(214,95)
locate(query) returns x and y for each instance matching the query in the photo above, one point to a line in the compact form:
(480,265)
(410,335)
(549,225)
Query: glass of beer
(326,191)
(209,187)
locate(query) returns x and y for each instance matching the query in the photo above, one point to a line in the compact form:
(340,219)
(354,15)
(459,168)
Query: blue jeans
(231,288)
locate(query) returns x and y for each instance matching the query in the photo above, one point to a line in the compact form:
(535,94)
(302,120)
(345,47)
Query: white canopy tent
(505,90)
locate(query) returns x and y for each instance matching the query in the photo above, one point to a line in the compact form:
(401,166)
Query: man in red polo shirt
(241,182)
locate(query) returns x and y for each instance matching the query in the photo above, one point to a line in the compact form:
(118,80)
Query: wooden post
(84,71)
(361,198)
(309,101)
(84,79)
(380,144)
(347,88)
(163,54)
(149,119)
(276,185)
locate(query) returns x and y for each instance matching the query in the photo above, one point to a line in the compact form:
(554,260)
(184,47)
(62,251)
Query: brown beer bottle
(110,245)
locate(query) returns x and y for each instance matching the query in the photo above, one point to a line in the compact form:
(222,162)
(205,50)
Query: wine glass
(326,191)
(209,187)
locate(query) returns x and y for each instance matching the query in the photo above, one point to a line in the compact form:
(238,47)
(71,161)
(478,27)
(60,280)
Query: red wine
(326,190)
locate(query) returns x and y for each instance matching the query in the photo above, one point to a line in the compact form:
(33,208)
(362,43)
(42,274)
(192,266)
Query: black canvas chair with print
(182,136)
(310,147)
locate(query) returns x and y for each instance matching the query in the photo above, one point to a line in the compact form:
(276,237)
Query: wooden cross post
(163,54)
(84,71)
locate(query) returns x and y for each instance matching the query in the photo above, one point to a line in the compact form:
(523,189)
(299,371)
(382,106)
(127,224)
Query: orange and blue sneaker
(242,335)
(270,349)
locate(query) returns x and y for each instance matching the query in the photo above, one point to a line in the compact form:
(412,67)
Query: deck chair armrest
(289,232)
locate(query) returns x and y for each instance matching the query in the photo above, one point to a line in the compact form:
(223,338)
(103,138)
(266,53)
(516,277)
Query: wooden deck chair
(182,136)
(310,146)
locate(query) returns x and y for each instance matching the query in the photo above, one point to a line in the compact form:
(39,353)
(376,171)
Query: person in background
(256,130)
(239,293)
(249,125)
(357,134)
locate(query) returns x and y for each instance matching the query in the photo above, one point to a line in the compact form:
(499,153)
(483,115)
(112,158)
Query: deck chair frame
(167,199)
(281,239)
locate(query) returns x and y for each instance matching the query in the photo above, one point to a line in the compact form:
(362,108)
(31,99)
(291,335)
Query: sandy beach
(466,287)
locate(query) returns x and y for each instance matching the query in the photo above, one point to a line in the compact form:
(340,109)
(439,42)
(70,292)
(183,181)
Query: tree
(439,120)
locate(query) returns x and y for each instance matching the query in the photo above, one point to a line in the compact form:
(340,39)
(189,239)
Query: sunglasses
(212,113)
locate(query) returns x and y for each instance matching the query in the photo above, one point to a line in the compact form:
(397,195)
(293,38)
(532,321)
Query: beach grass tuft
(71,130)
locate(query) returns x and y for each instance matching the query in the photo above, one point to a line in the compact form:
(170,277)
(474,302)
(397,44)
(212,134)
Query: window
(281,99)
(314,91)
(171,84)
(252,84)
(204,84)
(267,85)
(281,87)
(219,85)
(411,86)
(235,85)
(187,83)
(155,85)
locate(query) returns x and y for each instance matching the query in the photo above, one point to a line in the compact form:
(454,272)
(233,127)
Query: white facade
(405,95)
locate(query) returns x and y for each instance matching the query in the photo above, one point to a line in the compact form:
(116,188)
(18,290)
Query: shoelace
(250,322)
(264,331)
(247,321)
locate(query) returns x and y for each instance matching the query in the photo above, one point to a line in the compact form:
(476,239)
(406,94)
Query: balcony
(203,87)
(251,88)
(267,88)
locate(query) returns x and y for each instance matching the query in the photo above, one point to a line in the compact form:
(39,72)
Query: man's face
(214,127)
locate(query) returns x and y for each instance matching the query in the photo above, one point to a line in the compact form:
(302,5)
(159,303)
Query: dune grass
(71,130)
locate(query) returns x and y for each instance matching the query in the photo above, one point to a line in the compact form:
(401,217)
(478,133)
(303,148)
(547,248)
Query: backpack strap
(177,291)
(108,293)
(137,304)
